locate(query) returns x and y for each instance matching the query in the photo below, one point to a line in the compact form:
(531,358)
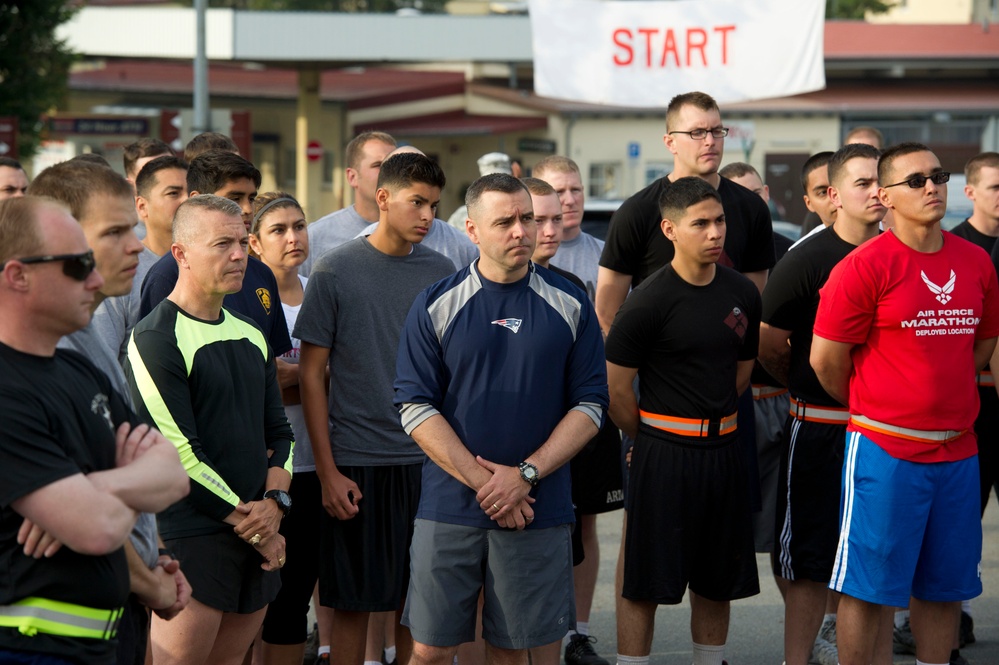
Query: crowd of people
(411,426)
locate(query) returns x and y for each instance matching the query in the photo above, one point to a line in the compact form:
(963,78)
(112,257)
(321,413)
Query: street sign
(314,151)
(634,150)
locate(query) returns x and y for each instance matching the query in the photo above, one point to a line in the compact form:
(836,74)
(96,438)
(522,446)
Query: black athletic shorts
(688,520)
(224,572)
(364,561)
(597,484)
(987,431)
(287,618)
(808,500)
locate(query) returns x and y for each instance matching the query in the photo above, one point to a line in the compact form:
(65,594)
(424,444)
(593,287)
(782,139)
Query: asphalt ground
(756,635)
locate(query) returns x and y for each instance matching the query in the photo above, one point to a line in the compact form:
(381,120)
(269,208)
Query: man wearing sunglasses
(904,323)
(103,203)
(75,462)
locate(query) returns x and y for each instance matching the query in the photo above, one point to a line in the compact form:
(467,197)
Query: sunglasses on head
(76,266)
(919,181)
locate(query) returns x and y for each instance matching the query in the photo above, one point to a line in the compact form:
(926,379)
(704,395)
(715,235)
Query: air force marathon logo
(509,324)
(942,292)
(936,322)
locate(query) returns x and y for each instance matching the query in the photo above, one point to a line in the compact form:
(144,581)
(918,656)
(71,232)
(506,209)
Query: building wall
(927,11)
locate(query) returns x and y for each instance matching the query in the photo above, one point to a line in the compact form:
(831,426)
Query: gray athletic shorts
(526,576)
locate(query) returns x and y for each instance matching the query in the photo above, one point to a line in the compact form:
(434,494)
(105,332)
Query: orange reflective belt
(985,379)
(762,391)
(690,426)
(923,436)
(831,415)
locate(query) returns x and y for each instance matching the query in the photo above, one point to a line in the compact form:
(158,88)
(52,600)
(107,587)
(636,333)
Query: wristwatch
(529,472)
(282,498)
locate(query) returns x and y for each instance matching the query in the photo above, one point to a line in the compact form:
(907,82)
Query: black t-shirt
(686,341)
(968,232)
(761,376)
(58,419)
(258,299)
(791,300)
(636,245)
(568,275)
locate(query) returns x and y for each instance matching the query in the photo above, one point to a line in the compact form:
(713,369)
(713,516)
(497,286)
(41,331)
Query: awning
(455,123)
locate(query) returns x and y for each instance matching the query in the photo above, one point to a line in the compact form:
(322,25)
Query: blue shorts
(907,529)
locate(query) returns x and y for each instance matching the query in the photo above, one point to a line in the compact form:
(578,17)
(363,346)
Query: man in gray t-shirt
(579,252)
(365,154)
(355,305)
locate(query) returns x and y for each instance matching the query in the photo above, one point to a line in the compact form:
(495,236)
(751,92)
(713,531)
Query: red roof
(845,40)
(358,87)
(455,123)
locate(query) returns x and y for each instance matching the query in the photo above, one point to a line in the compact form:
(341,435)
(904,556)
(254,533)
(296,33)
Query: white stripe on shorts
(784,556)
(843,549)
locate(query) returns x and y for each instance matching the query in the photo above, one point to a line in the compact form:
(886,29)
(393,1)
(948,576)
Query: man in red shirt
(904,324)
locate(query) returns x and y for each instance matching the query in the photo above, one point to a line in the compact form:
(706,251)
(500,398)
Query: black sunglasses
(919,181)
(76,266)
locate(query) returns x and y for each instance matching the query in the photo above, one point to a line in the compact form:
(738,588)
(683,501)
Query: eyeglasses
(701,134)
(919,181)
(75,266)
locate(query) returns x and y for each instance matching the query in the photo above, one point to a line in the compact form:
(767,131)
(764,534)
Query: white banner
(642,53)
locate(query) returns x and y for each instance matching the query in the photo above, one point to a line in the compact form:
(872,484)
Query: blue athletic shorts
(907,529)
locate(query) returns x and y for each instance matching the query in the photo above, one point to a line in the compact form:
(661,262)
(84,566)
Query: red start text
(666,47)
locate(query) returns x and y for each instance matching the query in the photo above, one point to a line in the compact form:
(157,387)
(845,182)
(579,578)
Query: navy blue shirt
(504,364)
(258,299)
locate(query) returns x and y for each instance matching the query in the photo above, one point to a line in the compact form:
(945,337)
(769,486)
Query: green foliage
(856,9)
(34,65)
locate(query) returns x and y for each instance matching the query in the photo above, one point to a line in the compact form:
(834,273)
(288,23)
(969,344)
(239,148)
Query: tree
(856,9)
(34,65)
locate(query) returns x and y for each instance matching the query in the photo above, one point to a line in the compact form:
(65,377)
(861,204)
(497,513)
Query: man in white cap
(489,163)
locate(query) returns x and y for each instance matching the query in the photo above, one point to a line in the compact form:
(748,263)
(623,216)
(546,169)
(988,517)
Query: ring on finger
(496,508)
(255,540)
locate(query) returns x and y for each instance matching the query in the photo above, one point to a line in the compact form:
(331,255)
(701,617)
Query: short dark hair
(405,168)
(837,162)
(146,147)
(538,187)
(356,146)
(210,171)
(10,162)
(206,142)
(683,193)
(974,166)
(494,182)
(737,170)
(73,183)
(816,161)
(699,100)
(889,156)
(146,178)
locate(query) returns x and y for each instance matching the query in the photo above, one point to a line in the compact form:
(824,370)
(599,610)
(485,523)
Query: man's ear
(669,230)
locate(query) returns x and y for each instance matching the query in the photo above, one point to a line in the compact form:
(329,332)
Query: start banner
(639,53)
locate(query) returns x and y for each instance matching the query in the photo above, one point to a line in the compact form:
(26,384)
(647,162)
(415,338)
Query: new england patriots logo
(943,293)
(509,324)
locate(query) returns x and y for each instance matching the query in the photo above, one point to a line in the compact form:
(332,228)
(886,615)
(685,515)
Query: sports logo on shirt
(942,292)
(265,299)
(101,407)
(737,321)
(509,324)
